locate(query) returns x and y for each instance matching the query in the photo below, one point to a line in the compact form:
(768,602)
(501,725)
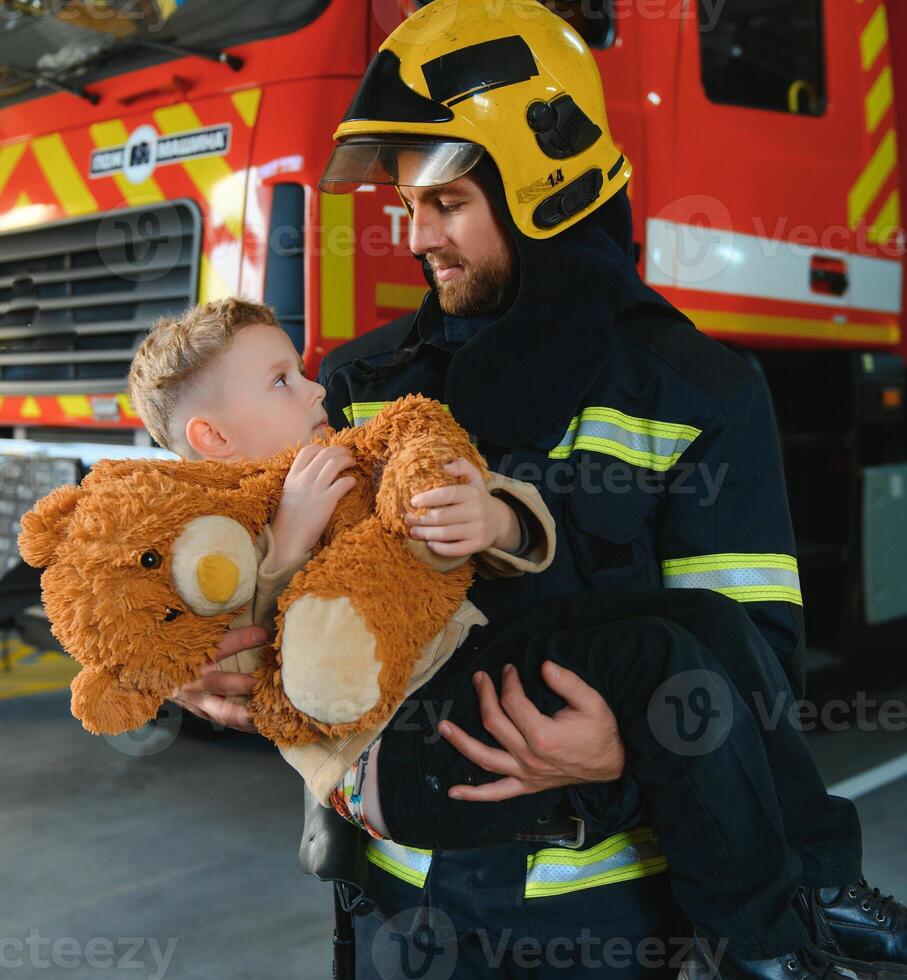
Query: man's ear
(206,439)
(44,526)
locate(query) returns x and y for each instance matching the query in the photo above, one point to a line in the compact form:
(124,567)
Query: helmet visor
(406,163)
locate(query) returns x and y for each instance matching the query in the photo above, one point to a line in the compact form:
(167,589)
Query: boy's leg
(824,830)
(713,802)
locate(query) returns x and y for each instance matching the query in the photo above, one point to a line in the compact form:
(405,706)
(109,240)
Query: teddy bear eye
(150,559)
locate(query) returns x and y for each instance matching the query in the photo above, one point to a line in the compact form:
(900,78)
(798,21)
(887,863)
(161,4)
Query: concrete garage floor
(196,844)
(181,862)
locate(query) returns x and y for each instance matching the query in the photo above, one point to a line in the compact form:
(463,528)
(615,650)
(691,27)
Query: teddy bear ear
(44,526)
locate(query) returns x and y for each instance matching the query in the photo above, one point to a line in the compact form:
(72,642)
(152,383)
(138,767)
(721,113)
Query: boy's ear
(44,526)
(206,439)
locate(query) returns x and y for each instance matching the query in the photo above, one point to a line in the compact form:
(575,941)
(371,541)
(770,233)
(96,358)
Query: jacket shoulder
(377,343)
(671,344)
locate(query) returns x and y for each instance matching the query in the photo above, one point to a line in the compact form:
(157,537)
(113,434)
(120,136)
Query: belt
(560,827)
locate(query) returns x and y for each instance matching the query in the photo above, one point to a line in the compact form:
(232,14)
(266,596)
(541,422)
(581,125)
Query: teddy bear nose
(217,577)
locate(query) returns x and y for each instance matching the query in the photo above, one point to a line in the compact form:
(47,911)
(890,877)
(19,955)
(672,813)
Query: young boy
(224,382)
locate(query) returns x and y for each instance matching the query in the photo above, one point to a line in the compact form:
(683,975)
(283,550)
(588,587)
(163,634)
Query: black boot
(857,926)
(704,962)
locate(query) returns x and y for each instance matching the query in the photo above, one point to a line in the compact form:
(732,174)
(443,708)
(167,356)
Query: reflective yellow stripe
(397,296)
(744,577)
(879,99)
(872,180)
(211,284)
(56,164)
(221,187)
(410,864)
(114,133)
(549,871)
(874,37)
(338,285)
(888,220)
(558,870)
(721,322)
(75,406)
(9,158)
(246,104)
(640,442)
(30,408)
(360,412)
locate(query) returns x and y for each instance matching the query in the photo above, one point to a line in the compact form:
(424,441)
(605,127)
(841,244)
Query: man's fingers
(226,713)
(216,710)
(573,689)
(531,724)
(496,722)
(501,789)
(492,760)
(234,641)
(224,683)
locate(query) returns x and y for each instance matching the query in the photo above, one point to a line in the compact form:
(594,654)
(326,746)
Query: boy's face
(261,401)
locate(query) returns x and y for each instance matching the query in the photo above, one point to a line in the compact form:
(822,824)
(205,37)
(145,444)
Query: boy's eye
(281,381)
(450,208)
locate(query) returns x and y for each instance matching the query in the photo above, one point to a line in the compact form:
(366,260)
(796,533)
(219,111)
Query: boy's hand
(311,490)
(464,518)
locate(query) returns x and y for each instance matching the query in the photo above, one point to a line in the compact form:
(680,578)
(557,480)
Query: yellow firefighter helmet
(462,77)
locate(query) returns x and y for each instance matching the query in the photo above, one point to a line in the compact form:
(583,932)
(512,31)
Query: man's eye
(450,208)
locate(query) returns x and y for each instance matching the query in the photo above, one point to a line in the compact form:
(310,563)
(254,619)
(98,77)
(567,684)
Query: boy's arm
(272,579)
(536,551)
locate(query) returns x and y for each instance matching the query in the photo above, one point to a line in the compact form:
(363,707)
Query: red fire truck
(155,153)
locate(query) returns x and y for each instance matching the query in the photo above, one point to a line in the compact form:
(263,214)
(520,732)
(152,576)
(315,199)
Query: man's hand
(207,696)
(463,518)
(578,744)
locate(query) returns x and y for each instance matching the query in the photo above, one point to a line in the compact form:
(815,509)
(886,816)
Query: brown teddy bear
(147,563)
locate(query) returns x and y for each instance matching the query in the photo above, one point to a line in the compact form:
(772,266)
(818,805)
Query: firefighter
(654,447)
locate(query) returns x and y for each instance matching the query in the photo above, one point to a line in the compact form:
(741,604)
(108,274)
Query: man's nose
(424,232)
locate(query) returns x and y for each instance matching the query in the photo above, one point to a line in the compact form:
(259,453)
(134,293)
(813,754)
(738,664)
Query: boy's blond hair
(175,353)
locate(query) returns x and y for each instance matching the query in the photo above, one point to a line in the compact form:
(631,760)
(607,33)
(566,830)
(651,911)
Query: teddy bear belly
(329,668)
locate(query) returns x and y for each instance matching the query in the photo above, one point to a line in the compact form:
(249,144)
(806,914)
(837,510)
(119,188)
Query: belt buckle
(560,840)
(579,837)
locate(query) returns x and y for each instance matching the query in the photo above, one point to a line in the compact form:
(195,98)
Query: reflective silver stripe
(640,442)
(556,871)
(744,577)
(360,412)
(411,864)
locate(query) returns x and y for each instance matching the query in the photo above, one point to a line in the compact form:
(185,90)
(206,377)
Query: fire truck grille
(77,296)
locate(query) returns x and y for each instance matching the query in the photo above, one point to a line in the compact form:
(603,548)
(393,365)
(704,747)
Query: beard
(480,288)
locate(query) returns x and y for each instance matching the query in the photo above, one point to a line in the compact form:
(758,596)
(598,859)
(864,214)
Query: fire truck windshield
(54,43)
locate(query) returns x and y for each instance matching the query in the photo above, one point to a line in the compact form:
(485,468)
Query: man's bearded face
(471,255)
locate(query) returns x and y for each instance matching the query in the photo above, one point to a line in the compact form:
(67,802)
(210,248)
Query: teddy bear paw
(330,666)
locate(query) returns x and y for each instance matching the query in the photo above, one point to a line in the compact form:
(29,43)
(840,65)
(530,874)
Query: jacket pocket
(608,528)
